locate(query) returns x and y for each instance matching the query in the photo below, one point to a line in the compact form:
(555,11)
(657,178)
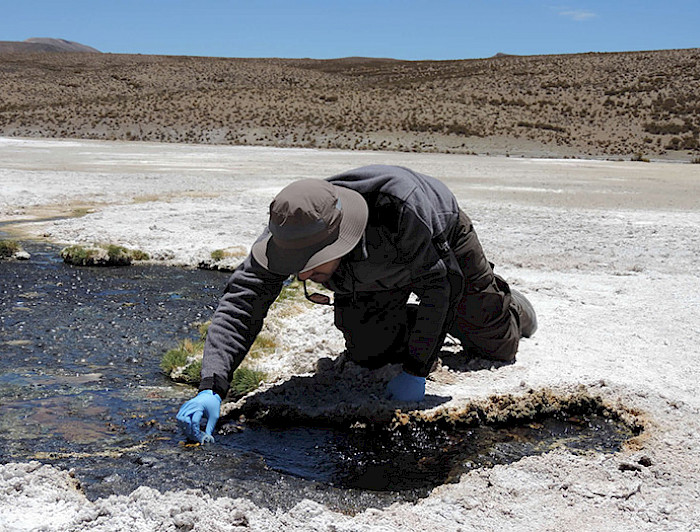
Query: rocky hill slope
(44,44)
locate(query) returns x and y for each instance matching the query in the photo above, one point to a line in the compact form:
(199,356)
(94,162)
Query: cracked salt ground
(81,389)
(606,250)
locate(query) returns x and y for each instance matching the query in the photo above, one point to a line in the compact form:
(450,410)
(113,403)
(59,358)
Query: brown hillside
(615,105)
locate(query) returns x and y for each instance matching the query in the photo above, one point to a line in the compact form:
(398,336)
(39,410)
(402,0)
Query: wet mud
(81,388)
(414,458)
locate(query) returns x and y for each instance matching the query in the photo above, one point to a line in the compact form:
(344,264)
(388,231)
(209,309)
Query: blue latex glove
(406,387)
(205,403)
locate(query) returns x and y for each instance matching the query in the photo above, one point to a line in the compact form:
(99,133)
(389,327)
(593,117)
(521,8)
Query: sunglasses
(319,299)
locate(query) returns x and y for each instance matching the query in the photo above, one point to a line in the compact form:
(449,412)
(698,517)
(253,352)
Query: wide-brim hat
(311,222)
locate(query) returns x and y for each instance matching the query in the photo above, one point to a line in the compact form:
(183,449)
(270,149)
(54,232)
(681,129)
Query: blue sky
(409,29)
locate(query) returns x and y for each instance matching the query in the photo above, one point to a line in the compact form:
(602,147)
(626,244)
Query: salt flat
(607,252)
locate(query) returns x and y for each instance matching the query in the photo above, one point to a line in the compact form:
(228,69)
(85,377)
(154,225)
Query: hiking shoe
(526,312)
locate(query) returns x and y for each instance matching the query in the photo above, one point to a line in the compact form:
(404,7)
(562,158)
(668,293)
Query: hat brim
(286,262)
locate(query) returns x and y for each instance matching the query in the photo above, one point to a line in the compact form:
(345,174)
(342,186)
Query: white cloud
(578,14)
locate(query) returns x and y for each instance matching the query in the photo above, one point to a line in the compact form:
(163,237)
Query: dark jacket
(412,219)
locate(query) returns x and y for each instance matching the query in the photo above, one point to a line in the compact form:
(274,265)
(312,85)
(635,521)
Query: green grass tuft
(203,328)
(115,251)
(109,255)
(192,373)
(246,380)
(218,254)
(229,253)
(118,255)
(137,254)
(173,358)
(178,356)
(78,255)
(291,292)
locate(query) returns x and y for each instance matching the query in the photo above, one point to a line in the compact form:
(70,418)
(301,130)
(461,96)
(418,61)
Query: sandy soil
(606,251)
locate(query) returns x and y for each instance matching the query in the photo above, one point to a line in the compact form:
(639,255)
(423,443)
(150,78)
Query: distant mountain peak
(61,45)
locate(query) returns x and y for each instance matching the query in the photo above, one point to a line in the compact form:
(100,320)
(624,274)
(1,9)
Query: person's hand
(406,387)
(206,403)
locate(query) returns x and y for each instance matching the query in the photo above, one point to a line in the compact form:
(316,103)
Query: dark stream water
(81,388)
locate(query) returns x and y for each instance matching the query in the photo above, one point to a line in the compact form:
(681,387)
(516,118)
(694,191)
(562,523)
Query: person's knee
(484,310)
(504,351)
(493,343)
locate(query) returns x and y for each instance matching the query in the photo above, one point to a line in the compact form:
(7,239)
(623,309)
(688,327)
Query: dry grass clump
(591,104)
(8,248)
(224,259)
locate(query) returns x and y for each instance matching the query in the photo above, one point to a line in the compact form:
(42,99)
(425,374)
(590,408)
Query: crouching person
(373,236)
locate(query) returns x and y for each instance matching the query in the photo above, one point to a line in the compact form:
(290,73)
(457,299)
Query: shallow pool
(81,388)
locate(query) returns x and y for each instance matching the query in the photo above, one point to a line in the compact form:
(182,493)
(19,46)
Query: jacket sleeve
(236,323)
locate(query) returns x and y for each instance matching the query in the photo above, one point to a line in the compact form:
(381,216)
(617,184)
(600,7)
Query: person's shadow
(341,393)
